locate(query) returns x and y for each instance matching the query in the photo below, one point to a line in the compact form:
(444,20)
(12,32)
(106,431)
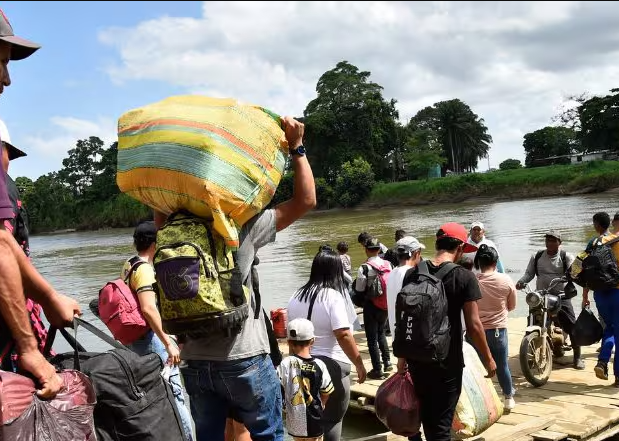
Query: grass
(590,177)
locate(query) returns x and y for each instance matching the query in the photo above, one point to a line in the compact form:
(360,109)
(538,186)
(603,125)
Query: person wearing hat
(306,382)
(141,280)
(549,264)
(477,237)
(408,251)
(615,223)
(16,270)
(375,270)
(438,385)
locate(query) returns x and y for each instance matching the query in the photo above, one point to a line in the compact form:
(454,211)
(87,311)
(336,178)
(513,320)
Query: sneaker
(509,403)
(579,364)
(601,370)
(388,367)
(375,375)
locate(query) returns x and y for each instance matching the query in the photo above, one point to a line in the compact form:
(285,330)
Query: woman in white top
(323,301)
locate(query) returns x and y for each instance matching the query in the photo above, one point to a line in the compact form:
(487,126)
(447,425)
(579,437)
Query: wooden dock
(573,405)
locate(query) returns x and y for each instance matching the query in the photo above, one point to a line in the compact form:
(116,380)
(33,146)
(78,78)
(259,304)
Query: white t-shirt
(330,312)
(394,286)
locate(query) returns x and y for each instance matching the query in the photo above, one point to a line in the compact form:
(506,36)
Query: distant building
(576,158)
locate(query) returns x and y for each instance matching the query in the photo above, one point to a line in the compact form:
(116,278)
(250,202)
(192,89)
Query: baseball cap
(553,233)
(477,225)
(456,231)
(14,152)
(145,230)
(372,244)
(408,244)
(21,48)
(300,330)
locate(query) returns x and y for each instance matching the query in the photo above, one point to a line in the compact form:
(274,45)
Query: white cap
(300,330)
(14,152)
(477,225)
(409,244)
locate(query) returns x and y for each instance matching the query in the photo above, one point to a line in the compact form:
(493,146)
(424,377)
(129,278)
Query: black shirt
(460,287)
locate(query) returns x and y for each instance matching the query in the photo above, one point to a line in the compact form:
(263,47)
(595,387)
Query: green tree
(24,185)
(81,166)
(354,182)
(50,204)
(548,142)
(325,194)
(462,135)
(349,118)
(422,152)
(103,185)
(510,164)
(599,121)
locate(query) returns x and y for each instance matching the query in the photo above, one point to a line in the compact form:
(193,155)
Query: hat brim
(14,152)
(468,248)
(20,47)
(553,236)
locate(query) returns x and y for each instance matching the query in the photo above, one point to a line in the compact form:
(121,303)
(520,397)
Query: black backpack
(599,267)
(422,320)
(133,400)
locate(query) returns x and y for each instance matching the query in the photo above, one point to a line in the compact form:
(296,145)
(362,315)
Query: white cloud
(47,149)
(512,62)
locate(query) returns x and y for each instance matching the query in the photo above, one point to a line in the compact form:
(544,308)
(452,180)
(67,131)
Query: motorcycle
(542,338)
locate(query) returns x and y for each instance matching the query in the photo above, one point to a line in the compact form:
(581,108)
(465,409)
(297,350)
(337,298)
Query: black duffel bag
(587,329)
(134,403)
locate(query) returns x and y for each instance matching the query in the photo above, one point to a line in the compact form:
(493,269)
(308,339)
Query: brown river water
(80,263)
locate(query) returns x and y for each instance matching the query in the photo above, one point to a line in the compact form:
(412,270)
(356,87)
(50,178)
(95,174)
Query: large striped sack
(216,158)
(479,406)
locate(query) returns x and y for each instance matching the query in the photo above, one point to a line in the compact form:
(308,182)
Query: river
(80,263)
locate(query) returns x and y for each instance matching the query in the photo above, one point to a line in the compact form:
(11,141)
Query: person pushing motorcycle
(546,265)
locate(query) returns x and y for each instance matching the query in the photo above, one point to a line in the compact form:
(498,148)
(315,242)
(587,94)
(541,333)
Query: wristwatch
(299,151)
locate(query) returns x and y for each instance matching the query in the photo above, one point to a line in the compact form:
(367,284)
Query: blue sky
(512,62)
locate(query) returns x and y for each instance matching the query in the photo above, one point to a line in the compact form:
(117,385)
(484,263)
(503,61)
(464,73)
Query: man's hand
(585,302)
(34,362)
(294,131)
(174,355)
(520,285)
(402,366)
(60,310)
(361,372)
(491,368)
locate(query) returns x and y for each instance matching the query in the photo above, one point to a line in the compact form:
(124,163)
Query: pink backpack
(119,308)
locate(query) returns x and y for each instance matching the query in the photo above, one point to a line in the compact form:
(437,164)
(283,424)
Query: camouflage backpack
(199,286)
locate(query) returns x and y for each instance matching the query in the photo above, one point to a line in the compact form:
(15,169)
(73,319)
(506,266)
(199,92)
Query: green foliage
(510,164)
(599,121)
(422,152)
(461,134)
(354,182)
(549,142)
(325,195)
(284,189)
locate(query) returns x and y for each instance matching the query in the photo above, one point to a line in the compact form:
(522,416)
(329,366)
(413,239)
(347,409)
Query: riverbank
(556,180)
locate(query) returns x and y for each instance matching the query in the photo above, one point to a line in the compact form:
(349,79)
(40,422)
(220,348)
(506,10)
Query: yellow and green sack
(216,158)
(199,285)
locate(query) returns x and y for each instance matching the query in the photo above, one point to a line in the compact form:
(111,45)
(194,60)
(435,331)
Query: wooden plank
(547,435)
(574,430)
(517,431)
(513,419)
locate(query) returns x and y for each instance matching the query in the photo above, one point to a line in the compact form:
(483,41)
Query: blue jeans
(607,303)
(249,388)
(151,343)
(497,343)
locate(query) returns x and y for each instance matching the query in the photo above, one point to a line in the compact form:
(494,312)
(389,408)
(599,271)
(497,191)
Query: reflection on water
(79,264)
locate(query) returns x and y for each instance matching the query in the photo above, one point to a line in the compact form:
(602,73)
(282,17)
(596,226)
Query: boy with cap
(306,382)
(438,384)
(477,238)
(408,251)
(549,264)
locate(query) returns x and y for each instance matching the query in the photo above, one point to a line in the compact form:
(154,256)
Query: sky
(514,63)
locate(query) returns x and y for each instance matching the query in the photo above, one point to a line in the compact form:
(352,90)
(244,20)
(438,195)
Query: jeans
(438,391)
(248,387)
(497,342)
(337,405)
(151,343)
(607,303)
(375,320)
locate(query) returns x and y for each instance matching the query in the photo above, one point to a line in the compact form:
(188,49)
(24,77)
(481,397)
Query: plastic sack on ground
(214,157)
(397,406)
(25,417)
(479,406)
(587,329)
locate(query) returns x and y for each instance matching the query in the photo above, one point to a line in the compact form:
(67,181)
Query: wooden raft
(573,405)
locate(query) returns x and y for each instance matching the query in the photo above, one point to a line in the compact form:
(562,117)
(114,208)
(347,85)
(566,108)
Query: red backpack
(376,289)
(120,310)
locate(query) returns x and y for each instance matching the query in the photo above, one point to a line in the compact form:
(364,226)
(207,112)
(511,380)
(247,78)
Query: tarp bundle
(217,158)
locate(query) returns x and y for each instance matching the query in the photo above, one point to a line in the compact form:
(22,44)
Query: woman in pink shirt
(498,297)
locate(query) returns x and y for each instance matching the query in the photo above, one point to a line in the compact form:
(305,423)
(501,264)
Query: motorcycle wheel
(536,359)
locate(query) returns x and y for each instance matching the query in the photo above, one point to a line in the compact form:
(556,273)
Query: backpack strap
(256,290)
(422,268)
(135,263)
(445,269)
(563,255)
(609,243)
(538,255)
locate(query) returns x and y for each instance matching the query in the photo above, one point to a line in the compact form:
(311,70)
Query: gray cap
(300,330)
(21,48)
(553,233)
(408,244)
